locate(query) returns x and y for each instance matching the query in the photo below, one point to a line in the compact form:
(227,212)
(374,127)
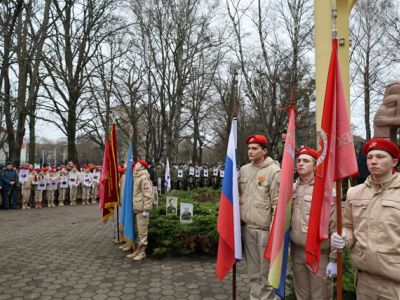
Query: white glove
(145,214)
(331,270)
(337,241)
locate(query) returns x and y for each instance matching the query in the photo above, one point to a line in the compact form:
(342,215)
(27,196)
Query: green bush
(349,291)
(168,237)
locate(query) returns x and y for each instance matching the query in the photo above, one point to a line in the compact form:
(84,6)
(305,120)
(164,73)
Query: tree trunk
(367,104)
(32,139)
(71,136)
(367,97)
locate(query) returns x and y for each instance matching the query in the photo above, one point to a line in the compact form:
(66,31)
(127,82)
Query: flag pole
(339,254)
(118,235)
(234,116)
(339,231)
(234,282)
(118,240)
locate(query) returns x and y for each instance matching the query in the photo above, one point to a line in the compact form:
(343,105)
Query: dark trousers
(9,190)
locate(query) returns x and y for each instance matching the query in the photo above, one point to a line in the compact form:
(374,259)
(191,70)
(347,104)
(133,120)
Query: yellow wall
(323,47)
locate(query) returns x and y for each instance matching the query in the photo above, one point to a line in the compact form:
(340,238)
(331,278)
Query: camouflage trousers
(86,192)
(142,224)
(26,194)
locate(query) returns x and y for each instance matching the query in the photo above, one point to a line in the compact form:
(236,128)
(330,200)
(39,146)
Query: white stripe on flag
(232,146)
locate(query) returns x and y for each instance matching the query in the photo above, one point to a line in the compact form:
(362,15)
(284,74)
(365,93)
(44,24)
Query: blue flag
(127,216)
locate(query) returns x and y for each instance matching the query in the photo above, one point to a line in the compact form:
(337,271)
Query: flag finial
(334,17)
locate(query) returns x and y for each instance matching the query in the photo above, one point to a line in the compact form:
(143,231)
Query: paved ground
(67,253)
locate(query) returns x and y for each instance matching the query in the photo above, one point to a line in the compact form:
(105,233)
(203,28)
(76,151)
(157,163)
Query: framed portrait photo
(171,206)
(186,212)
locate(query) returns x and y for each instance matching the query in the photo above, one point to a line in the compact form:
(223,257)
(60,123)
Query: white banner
(23,175)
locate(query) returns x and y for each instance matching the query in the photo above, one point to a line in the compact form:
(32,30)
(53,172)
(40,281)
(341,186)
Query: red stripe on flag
(226,243)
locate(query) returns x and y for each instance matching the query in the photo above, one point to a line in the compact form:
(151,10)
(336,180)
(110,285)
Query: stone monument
(387,118)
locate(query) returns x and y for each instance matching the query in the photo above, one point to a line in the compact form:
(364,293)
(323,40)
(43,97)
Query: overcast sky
(51,132)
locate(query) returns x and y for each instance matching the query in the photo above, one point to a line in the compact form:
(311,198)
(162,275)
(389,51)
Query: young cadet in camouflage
(191,177)
(371,225)
(74,181)
(306,284)
(205,175)
(197,176)
(26,188)
(215,176)
(258,190)
(278,149)
(159,176)
(63,186)
(52,184)
(86,177)
(95,184)
(182,175)
(142,205)
(39,183)
(174,176)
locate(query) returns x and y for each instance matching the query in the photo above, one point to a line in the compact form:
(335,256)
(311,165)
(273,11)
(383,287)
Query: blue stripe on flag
(129,218)
(282,284)
(227,182)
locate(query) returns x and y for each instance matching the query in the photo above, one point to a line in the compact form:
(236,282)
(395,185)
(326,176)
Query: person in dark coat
(9,184)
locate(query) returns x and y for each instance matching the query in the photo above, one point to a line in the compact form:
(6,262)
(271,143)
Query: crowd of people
(187,176)
(29,187)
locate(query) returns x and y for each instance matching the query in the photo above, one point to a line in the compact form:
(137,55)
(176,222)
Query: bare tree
(80,28)
(9,14)
(173,34)
(102,89)
(271,71)
(372,54)
(393,18)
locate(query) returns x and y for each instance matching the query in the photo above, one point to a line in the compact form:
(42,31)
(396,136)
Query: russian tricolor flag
(228,226)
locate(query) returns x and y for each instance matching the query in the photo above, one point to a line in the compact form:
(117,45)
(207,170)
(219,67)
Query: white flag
(167,177)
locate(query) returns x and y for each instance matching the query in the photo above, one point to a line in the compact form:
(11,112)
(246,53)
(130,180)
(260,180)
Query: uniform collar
(392,182)
(309,182)
(267,162)
(141,172)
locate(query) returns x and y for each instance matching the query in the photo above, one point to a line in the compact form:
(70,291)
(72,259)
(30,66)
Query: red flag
(108,187)
(337,160)
(114,179)
(278,243)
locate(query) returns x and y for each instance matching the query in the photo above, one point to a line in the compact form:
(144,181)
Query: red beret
(382,144)
(52,171)
(24,168)
(257,139)
(309,151)
(96,168)
(121,170)
(143,163)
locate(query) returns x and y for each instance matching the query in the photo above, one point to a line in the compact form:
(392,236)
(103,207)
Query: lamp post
(43,161)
